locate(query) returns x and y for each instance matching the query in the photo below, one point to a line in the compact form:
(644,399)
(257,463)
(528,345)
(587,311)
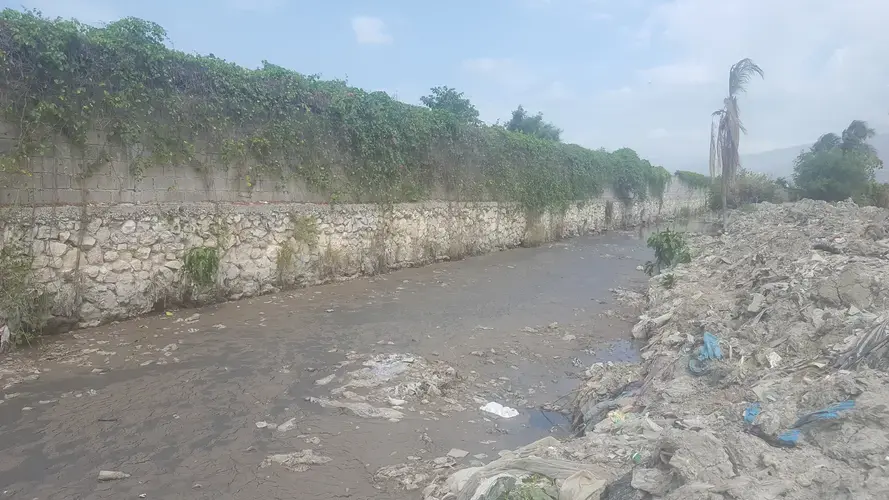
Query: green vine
(693,179)
(659,179)
(122,83)
(24,304)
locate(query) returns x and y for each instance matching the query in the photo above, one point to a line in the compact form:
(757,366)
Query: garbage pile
(388,383)
(764,376)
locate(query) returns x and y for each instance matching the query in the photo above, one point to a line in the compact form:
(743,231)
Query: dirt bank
(763,377)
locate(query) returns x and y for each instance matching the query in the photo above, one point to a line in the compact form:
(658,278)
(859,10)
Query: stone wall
(104,262)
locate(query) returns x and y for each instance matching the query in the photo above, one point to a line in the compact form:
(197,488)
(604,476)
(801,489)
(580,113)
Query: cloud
(668,71)
(558,91)
(503,72)
(370,31)
(681,73)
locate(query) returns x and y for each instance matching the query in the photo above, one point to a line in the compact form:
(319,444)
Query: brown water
(177,403)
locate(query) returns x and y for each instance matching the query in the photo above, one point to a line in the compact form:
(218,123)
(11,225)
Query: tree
(533,125)
(725,133)
(838,167)
(448,99)
(831,175)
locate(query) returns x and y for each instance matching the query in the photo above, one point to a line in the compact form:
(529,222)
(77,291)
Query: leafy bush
(169,108)
(749,187)
(521,121)
(693,179)
(838,167)
(877,195)
(669,248)
(25,305)
(832,175)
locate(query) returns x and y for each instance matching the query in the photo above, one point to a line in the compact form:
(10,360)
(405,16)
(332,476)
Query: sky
(644,74)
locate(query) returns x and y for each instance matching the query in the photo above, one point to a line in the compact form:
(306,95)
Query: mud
(174,400)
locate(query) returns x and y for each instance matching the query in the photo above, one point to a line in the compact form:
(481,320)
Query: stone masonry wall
(106,262)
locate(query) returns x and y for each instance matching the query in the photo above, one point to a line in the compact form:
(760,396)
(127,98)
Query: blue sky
(639,73)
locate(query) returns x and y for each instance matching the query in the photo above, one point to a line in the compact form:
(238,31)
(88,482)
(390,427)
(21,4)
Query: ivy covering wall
(62,78)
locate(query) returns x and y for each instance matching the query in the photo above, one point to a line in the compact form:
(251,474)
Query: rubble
(297,462)
(387,383)
(764,376)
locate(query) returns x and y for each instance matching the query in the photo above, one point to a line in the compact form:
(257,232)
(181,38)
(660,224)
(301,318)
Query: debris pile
(389,382)
(764,376)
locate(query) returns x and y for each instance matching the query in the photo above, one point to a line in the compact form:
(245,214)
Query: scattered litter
(326,380)
(797,332)
(363,410)
(288,425)
(525,473)
(751,412)
(457,453)
(298,461)
(111,475)
(832,412)
(710,351)
(499,410)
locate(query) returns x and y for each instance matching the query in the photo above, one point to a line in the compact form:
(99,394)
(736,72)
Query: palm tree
(855,137)
(725,132)
(826,143)
(853,140)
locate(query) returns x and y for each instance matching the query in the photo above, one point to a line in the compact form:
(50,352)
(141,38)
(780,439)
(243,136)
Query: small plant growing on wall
(24,305)
(284,263)
(305,229)
(200,267)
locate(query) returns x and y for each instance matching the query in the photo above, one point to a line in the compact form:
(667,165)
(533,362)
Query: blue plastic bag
(832,412)
(707,352)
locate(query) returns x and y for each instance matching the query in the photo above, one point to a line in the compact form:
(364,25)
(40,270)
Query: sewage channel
(174,401)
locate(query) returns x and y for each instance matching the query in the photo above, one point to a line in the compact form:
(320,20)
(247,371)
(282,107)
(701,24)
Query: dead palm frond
(727,140)
(714,144)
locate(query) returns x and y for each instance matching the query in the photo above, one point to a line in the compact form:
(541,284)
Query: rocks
(143,247)
(756,303)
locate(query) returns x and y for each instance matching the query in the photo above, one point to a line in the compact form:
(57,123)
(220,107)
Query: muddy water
(174,402)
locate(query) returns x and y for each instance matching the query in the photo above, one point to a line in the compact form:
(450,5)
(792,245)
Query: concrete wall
(104,262)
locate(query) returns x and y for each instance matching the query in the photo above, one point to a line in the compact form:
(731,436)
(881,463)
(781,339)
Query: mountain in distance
(779,162)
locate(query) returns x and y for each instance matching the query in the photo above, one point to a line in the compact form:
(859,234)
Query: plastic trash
(708,352)
(790,438)
(710,349)
(499,410)
(112,475)
(579,481)
(832,412)
(751,412)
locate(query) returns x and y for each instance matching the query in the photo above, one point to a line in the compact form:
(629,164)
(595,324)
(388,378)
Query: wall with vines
(111,114)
